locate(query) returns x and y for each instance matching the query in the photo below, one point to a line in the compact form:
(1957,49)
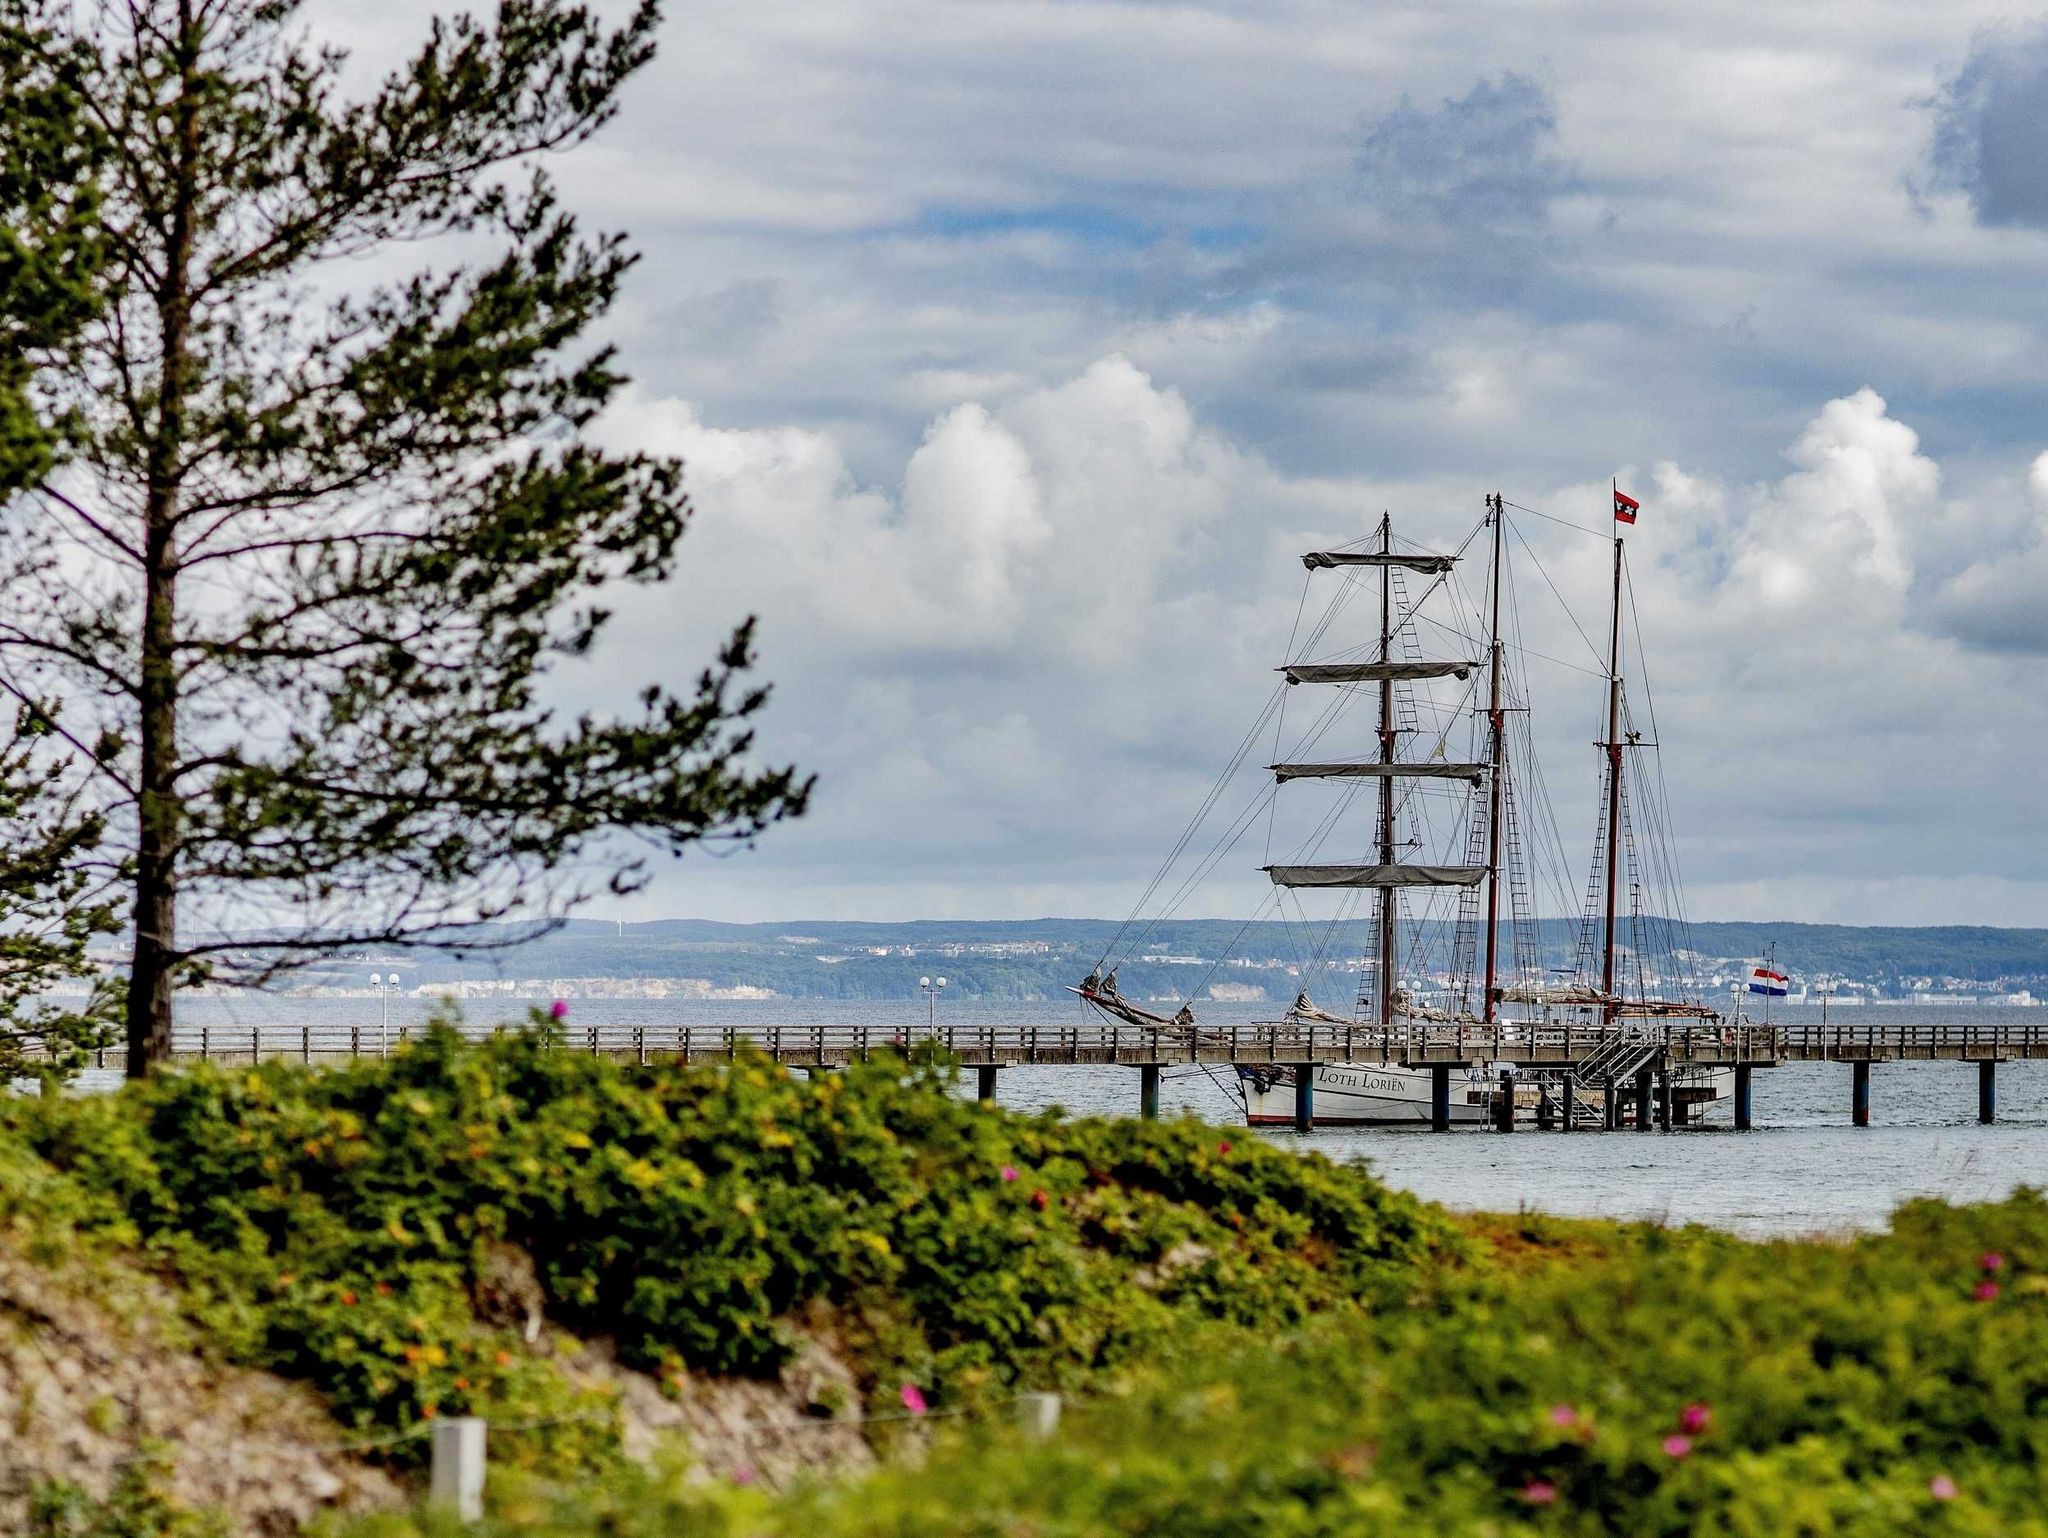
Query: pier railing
(1091,1042)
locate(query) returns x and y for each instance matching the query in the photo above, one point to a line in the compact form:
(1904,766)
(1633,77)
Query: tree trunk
(150,976)
(153,971)
(156,879)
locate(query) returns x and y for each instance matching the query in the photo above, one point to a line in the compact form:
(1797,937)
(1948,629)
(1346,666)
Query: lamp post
(385,986)
(931,987)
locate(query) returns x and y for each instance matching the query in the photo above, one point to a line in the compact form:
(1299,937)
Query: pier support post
(1440,1098)
(1987,1091)
(1571,1101)
(1743,1107)
(1304,1097)
(985,1082)
(1643,1100)
(1148,1091)
(1664,1100)
(1859,1093)
(1610,1106)
(1504,1104)
(1546,1112)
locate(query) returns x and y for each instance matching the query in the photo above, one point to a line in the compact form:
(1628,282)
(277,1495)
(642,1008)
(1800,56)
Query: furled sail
(1306,1008)
(1374,672)
(1667,1009)
(1405,1007)
(1376,875)
(1424,563)
(1473,773)
(1555,993)
(1108,999)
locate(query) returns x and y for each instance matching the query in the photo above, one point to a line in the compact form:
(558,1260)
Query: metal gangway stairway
(1631,1051)
(1624,1055)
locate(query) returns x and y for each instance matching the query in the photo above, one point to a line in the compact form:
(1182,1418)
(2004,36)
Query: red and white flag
(1625,507)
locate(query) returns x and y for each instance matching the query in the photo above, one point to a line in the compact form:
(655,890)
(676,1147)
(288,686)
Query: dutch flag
(1769,981)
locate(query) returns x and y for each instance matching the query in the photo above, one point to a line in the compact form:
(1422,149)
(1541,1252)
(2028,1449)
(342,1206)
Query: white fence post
(456,1482)
(1038,1415)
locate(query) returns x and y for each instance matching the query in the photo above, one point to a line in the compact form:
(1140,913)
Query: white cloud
(1019,594)
(2000,604)
(1055,525)
(1018,670)
(1844,516)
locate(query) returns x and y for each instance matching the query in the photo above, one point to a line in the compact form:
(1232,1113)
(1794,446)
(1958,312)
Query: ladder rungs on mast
(1422,563)
(1375,672)
(1473,773)
(1376,875)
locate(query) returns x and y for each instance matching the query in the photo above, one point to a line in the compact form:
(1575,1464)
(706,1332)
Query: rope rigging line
(1266,800)
(1559,596)
(1553,518)
(1201,813)
(1217,965)
(1540,802)
(1280,721)
(1237,829)
(1413,608)
(1528,651)
(1660,803)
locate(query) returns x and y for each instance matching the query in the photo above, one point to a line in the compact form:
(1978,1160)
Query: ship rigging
(1460,847)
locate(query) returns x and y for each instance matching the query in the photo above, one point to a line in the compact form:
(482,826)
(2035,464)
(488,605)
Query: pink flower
(1985,1292)
(1009,1172)
(913,1399)
(1991,1260)
(1676,1446)
(1942,1488)
(1693,1418)
(559,1010)
(1223,1147)
(1539,1492)
(743,1475)
(1563,1415)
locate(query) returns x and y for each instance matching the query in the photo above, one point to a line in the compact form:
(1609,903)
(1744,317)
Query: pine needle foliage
(53,890)
(57,895)
(327,521)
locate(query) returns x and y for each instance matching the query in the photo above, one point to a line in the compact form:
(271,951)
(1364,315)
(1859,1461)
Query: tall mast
(1498,759)
(1613,786)
(1386,895)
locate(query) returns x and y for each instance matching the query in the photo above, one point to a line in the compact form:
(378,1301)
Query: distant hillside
(1037,958)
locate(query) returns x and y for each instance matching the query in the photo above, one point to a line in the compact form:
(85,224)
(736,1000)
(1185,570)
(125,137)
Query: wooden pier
(1626,1060)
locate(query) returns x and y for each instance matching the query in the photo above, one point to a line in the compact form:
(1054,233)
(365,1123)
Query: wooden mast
(1386,895)
(1496,716)
(1608,1010)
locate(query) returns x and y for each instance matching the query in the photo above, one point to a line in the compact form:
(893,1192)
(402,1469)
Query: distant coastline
(1222,960)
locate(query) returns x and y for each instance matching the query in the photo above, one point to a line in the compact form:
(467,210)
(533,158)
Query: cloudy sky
(1017,349)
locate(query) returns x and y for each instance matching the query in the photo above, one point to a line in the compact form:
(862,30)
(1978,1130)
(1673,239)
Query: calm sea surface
(1803,1169)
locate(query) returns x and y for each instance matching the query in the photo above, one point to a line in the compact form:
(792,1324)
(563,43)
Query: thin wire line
(1552,517)
(1556,594)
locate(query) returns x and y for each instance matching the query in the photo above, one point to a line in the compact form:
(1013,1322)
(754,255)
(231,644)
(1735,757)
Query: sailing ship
(1457,850)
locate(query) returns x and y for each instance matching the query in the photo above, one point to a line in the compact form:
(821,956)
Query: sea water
(1803,1169)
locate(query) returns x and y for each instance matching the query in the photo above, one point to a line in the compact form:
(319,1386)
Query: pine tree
(57,894)
(319,544)
(56,1006)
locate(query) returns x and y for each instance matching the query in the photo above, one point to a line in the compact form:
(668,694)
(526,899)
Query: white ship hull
(1366,1095)
(1376,1095)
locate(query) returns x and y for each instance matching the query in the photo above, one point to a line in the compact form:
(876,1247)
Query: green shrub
(1658,1384)
(339,1224)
